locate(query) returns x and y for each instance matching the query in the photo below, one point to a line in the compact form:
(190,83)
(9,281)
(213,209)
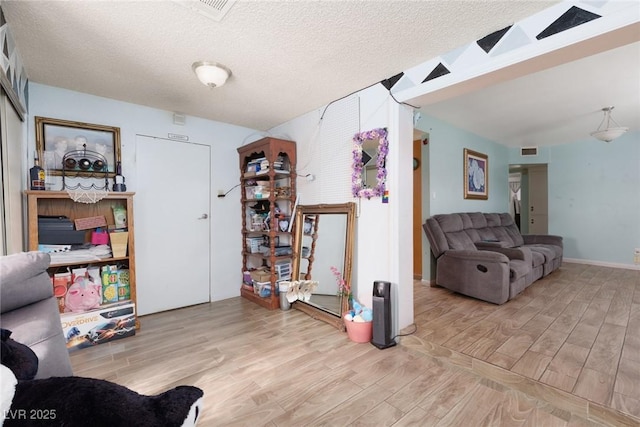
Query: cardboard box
(99,326)
(260,275)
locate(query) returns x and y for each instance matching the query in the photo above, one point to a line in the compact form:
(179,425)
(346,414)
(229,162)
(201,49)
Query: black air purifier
(382,315)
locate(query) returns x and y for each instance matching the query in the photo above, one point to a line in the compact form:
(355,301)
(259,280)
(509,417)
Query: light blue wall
(594,198)
(594,188)
(446,169)
(443,190)
(133,119)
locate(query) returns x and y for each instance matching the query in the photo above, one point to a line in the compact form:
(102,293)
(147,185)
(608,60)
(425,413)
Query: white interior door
(172,203)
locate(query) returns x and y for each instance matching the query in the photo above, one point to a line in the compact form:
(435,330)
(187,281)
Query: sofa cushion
(550,252)
(449,222)
(518,268)
(453,226)
(31,312)
(537,258)
(475,220)
(459,240)
(24,270)
(509,227)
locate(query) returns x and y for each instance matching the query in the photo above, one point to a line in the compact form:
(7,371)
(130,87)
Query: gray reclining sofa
(484,256)
(30,311)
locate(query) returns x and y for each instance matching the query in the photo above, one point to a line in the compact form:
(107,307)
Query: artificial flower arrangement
(357,186)
(344,288)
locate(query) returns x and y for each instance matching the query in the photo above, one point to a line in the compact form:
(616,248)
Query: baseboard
(431,283)
(602,263)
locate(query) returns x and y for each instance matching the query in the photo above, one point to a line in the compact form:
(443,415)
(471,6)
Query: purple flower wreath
(357,186)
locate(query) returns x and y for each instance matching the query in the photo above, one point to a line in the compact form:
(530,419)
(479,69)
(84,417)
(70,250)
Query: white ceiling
(553,106)
(291,57)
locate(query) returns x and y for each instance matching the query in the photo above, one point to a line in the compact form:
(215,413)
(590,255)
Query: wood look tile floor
(566,352)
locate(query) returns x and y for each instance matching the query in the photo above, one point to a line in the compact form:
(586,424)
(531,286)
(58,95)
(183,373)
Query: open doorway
(417,210)
(528,185)
(421,260)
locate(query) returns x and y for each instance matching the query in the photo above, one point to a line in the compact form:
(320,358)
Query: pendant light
(608,133)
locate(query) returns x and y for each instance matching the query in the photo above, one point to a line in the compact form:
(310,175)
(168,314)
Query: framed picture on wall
(56,138)
(476,175)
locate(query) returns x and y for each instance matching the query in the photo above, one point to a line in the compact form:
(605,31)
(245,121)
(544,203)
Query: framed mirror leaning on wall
(323,243)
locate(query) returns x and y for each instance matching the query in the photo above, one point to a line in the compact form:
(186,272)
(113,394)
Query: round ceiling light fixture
(211,74)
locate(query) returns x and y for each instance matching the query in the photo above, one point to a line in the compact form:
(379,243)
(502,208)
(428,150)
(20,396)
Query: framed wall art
(476,175)
(57,138)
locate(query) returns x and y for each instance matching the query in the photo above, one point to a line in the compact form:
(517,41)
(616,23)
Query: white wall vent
(529,151)
(214,9)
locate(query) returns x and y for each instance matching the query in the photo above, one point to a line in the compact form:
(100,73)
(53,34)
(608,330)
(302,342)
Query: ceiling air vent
(529,151)
(214,9)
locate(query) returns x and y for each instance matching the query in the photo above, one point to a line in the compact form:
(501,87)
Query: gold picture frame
(476,175)
(55,138)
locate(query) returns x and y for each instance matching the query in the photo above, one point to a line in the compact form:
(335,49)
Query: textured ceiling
(287,57)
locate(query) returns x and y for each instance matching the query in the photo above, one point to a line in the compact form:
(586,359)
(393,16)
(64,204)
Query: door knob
(204,216)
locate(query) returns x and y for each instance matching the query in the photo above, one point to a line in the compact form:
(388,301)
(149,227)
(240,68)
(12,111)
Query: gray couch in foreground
(30,311)
(483,255)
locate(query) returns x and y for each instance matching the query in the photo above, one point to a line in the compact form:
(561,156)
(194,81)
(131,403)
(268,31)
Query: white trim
(602,263)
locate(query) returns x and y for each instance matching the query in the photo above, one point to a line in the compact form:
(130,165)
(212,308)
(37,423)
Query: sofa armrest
(490,244)
(523,254)
(479,274)
(24,280)
(545,239)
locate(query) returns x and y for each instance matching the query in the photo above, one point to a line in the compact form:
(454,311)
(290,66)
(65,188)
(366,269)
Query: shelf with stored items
(76,248)
(268,194)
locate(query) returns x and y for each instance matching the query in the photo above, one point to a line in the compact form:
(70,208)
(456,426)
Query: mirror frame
(349,209)
(358,188)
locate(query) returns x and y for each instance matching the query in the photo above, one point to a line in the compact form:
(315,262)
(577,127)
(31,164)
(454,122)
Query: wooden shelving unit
(280,179)
(59,203)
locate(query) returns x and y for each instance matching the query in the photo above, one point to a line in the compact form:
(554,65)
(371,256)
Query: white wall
(133,120)
(383,230)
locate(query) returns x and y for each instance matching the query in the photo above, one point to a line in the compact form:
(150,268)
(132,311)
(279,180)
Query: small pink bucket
(359,331)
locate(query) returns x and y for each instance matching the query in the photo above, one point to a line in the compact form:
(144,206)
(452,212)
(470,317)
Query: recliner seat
(484,255)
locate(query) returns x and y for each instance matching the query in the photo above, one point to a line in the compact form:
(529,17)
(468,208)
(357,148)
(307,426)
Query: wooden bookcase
(268,230)
(59,203)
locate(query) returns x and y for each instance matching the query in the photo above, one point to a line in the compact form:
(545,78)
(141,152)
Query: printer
(58,230)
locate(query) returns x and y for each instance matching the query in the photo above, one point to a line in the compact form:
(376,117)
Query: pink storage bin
(100,238)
